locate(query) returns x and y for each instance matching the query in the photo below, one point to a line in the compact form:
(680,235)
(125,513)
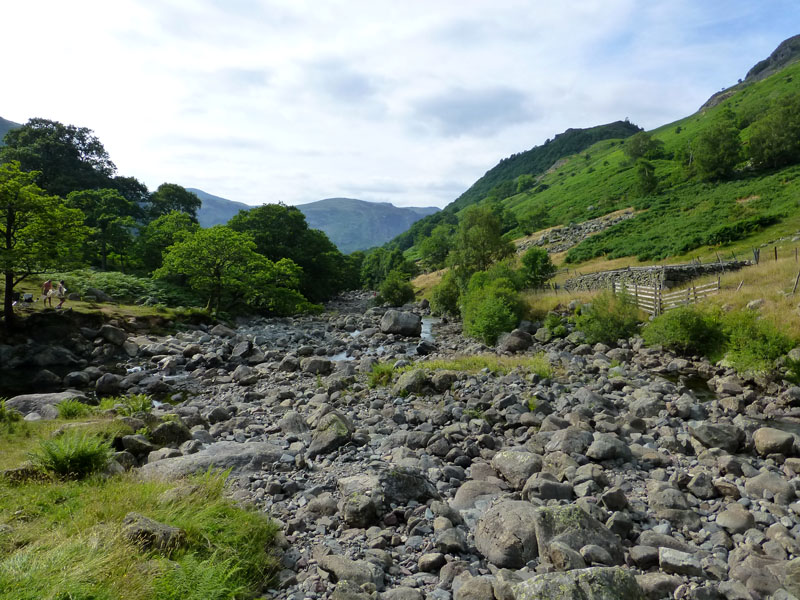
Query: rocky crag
(615,477)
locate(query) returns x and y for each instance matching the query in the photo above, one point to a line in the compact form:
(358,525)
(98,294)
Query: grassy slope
(61,539)
(680,217)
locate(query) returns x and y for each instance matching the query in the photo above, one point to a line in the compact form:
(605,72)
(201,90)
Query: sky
(405,102)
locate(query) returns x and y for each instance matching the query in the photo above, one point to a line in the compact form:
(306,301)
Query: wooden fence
(655,301)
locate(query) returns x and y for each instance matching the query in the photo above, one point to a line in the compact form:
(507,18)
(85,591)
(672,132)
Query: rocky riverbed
(611,478)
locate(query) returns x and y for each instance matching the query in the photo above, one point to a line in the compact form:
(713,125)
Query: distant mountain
(357,225)
(5,127)
(216,210)
(350,224)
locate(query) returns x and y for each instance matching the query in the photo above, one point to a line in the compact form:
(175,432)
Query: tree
(111,219)
(281,231)
(68,158)
(38,232)
(478,242)
(395,290)
(646,180)
(775,139)
(536,267)
(433,249)
(221,263)
(717,150)
(133,190)
(171,196)
(159,234)
(642,145)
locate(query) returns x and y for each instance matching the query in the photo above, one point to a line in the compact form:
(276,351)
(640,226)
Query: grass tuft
(538,364)
(72,409)
(74,455)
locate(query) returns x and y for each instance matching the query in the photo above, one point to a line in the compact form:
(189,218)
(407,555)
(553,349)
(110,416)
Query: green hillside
(727,173)
(5,126)
(505,177)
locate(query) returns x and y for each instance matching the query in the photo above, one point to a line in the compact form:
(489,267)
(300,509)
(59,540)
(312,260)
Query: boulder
(411,382)
(333,431)
(506,534)
(516,467)
(515,341)
(401,323)
(316,365)
(241,458)
(594,583)
(113,335)
(575,528)
(769,440)
(28,403)
(725,436)
(151,535)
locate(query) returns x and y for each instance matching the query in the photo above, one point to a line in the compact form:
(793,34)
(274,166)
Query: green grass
(502,365)
(72,409)
(381,375)
(62,538)
(73,455)
(128,405)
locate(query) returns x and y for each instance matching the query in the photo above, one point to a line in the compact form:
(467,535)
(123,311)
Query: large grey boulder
(333,431)
(151,535)
(516,466)
(596,583)
(28,403)
(515,341)
(402,323)
(357,571)
(506,534)
(575,528)
(725,436)
(113,335)
(241,458)
(411,382)
(769,440)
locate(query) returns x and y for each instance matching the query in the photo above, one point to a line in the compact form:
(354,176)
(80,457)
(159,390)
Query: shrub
(8,415)
(686,330)
(72,455)
(128,405)
(72,409)
(381,375)
(445,296)
(536,267)
(395,290)
(753,343)
(490,309)
(608,318)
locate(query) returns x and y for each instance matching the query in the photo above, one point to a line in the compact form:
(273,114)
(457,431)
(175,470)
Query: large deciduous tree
(67,158)
(775,138)
(478,242)
(159,234)
(38,232)
(171,196)
(111,219)
(718,149)
(223,265)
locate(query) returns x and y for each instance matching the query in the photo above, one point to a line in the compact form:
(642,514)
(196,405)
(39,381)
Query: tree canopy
(38,232)
(66,158)
(478,242)
(171,196)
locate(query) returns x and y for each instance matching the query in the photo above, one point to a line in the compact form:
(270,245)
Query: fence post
(794,289)
(719,287)
(776,254)
(694,293)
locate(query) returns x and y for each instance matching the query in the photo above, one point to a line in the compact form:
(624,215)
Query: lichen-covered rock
(506,534)
(411,382)
(575,528)
(333,431)
(594,583)
(151,535)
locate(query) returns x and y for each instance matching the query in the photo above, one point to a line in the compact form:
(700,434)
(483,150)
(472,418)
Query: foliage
(395,290)
(110,217)
(38,233)
(433,249)
(792,369)
(194,579)
(608,318)
(128,405)
(72,455)
(159,234)
(171,197)
(478,242)
(281,231)
(646,180)
(65,158)
(490,308)
(775,138)
(686,330)
(8,416)
(718,149)
(537,267)
(223,264)
(378,263)
(643,145)
(753,344)
(72,409)
(381,375)
(128,288)
(445,296)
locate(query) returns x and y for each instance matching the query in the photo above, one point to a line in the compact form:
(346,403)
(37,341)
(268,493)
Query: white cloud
(294,100)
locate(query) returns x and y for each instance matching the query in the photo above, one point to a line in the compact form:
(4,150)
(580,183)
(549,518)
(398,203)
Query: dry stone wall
(666,276)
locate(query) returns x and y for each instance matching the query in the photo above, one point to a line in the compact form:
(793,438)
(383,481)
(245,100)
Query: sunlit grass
(502,365)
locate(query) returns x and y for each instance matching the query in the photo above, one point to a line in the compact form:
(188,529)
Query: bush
(445,296)
(8,415)
(72,455)
(128,405)
(609,318)
(536,267)
(395,290)
(72,409)
(686,330)
(381,375)
(490,309)
(753,343)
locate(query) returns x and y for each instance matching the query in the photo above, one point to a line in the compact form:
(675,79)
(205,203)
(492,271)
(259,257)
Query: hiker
(61,292)
(47,287)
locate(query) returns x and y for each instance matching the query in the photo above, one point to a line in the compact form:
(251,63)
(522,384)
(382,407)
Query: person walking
(47,287)
(61,292)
